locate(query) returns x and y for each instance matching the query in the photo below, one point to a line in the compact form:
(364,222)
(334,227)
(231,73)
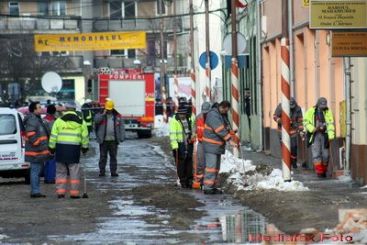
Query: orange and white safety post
(235,98)
(192,47)
(164,103)
(175,88)
(207,90)
(193,90)
(286,125)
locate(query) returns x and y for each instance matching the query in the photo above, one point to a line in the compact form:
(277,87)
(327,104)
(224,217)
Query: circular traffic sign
(213,57)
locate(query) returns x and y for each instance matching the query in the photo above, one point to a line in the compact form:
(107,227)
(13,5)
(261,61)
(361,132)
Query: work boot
(101,174)
(75,197)
(38,195)
(213,191)
(323,175)
(59,196)
(114,175)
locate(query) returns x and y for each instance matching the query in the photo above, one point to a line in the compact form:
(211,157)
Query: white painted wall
(359,101)
(215,44)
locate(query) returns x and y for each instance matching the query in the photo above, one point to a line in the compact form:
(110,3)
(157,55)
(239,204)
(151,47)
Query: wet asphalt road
(142,164)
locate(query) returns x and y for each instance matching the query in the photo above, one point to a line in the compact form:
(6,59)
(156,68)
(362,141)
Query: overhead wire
(107,18)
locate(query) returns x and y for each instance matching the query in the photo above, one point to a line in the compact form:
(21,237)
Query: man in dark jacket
(216,135)
(49,170)
(110,131)
(296,126)
(36,146)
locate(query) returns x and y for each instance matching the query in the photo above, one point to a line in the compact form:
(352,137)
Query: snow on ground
(3,237)
(345,178)
(161,128)
(252,180)
(359,237)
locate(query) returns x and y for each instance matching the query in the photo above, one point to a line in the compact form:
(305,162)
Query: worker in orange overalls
(199,162)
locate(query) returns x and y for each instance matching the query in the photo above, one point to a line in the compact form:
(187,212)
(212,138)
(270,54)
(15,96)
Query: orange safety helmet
(109,105)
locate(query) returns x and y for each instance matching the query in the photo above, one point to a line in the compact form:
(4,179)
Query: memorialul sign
(337,14)
(89,41)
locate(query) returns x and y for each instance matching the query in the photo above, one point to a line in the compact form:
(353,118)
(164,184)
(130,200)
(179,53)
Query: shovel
(85,194)
(243,165)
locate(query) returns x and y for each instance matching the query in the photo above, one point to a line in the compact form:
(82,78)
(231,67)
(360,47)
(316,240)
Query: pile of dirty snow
(246,176)
(161,128)
(3,237)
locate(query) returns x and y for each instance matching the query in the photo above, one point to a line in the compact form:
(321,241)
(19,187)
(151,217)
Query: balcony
(32,24)
(123,62)
(147,25)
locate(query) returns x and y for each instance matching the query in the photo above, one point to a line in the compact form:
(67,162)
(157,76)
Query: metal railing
(148,25)
(124,62)
(30,24)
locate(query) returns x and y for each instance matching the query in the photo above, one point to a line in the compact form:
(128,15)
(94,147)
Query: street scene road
(183,122)
(141,206)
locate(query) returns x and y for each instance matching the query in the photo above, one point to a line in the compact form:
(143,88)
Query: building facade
(314,73)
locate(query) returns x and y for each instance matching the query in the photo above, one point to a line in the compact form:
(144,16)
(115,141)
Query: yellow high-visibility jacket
(309,122)
(69,133)
(176,131)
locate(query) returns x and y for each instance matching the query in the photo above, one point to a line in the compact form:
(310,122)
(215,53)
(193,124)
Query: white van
(12,163)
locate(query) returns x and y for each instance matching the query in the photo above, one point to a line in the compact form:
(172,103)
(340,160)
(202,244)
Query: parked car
(12,162)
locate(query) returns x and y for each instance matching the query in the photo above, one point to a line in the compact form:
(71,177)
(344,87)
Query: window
(8,124)
(115,10)
(14,8)
(129,9)
(43,8)
(118,52)
(161,7)
(58,8)
(129,53)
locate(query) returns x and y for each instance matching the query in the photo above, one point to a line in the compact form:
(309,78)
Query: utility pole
(175,79)
(162,70)
(192,54)
(286,94)
(208,86)
(347,72)
(235,94)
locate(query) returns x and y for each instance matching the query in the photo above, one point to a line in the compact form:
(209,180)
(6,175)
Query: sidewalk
(294,211)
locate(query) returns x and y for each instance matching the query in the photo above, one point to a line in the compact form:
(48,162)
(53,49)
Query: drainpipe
(291,50)
(347,71)
(259,73)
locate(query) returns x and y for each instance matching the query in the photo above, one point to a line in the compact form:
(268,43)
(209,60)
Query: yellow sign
(89,41)
(349,44)
(338,14)
(343,118)
(306,3)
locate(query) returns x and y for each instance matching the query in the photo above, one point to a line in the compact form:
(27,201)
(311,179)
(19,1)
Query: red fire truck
(133,93)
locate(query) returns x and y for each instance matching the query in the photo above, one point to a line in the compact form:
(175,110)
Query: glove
(52,151)
(85,150)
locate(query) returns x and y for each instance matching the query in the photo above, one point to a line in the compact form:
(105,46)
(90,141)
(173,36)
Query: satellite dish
(51,82)
(241,44)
